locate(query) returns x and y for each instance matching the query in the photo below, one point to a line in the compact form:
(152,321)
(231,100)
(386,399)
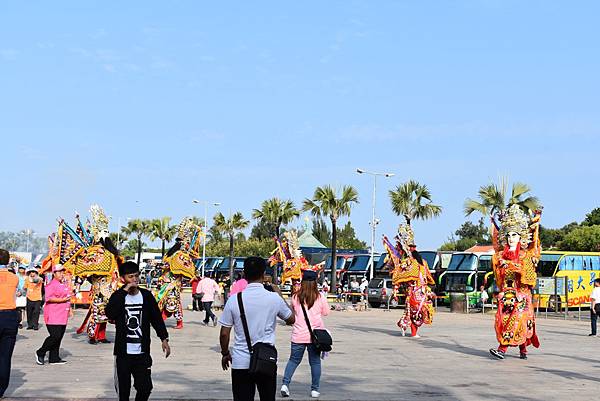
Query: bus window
(485,263)
(462,262)
(591,262)
(547,264)
(429,257)
(571,262)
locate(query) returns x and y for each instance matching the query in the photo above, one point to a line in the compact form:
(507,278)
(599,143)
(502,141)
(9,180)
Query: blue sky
(164,102)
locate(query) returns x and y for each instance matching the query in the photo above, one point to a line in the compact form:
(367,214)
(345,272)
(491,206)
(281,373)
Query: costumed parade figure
(87,253)
(516,242)
(98,263)
(294,263)
(178,263)
(411,272)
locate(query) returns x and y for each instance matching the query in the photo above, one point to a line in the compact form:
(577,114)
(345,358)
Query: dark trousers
(594,320)
(8,337)
(20,311)
(244,386)
(197,302)
(138,366)
(209,313)
(33,313)
(52,342)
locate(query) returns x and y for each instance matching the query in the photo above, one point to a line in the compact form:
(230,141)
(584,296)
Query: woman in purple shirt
(56,315)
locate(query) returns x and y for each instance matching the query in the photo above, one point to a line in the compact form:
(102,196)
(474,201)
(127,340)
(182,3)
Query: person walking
(207,288)
(196,299)
(56,314)
(33,290)
(316,306)
(595,306)
(134,310)
(238,285)
(8,319)
(21,297)
(261,310)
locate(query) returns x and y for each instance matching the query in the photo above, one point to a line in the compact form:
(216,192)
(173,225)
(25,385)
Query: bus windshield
(485,263)
(429,257)
(360,263)
(380,261)
(339,264)
(547,264)
(462,262)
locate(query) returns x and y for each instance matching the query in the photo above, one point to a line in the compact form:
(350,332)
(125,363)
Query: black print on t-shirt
(133,314)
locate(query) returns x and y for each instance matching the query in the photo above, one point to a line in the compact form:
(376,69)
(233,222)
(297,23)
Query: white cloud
(99,33)
(205,135)
(8,54)
(370,133)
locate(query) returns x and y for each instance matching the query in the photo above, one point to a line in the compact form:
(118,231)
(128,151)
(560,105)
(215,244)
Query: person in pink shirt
(238,285)
(56,314)
(206,289)
(316,307)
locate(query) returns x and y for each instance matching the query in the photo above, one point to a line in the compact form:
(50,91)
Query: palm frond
(472,205)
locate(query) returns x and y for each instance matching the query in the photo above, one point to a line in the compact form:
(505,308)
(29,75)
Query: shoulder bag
(263,356)
(320,338)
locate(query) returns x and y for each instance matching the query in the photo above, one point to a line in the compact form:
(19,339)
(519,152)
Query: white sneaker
(315,394)
(416,336)
(285,391)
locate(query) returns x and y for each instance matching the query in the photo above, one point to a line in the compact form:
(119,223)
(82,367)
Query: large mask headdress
(406,237)
(99,224)
(514,219)
(186,229)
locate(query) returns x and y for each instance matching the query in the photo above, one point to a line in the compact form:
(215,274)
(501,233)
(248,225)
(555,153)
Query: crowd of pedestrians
(252,300)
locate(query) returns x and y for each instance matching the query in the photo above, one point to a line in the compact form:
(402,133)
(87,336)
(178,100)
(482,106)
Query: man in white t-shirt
(262,308)
(595,300)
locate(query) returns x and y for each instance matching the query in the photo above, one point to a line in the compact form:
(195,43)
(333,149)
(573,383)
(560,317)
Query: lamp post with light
(204,229)
(374,221)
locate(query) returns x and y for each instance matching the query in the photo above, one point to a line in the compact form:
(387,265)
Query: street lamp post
(374,221)
(204,229)
(29,231)
(119,231)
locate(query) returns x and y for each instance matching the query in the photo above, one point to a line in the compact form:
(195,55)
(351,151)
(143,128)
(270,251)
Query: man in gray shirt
(262,308)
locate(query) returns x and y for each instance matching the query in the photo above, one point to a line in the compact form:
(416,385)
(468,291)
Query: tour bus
(211,266)
(467,272)
(359,268)
(579,270)
(223,269)
(343,263)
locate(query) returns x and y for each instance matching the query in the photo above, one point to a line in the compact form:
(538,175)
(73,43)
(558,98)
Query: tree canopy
(412,200)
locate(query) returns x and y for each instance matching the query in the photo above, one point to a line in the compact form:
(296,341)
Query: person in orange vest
(33,289)
(8,319)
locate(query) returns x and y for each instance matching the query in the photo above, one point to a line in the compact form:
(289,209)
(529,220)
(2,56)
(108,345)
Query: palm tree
(413,201)
(326,203)
(140,228)
(118,239)
(492,198)
(231,226)
(276,212)
(161,229)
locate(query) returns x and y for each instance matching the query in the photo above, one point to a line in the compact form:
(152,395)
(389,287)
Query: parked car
(379,292)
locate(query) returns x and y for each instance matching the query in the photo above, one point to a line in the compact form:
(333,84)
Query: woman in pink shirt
(239,285)
(56,315)
(316,307)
